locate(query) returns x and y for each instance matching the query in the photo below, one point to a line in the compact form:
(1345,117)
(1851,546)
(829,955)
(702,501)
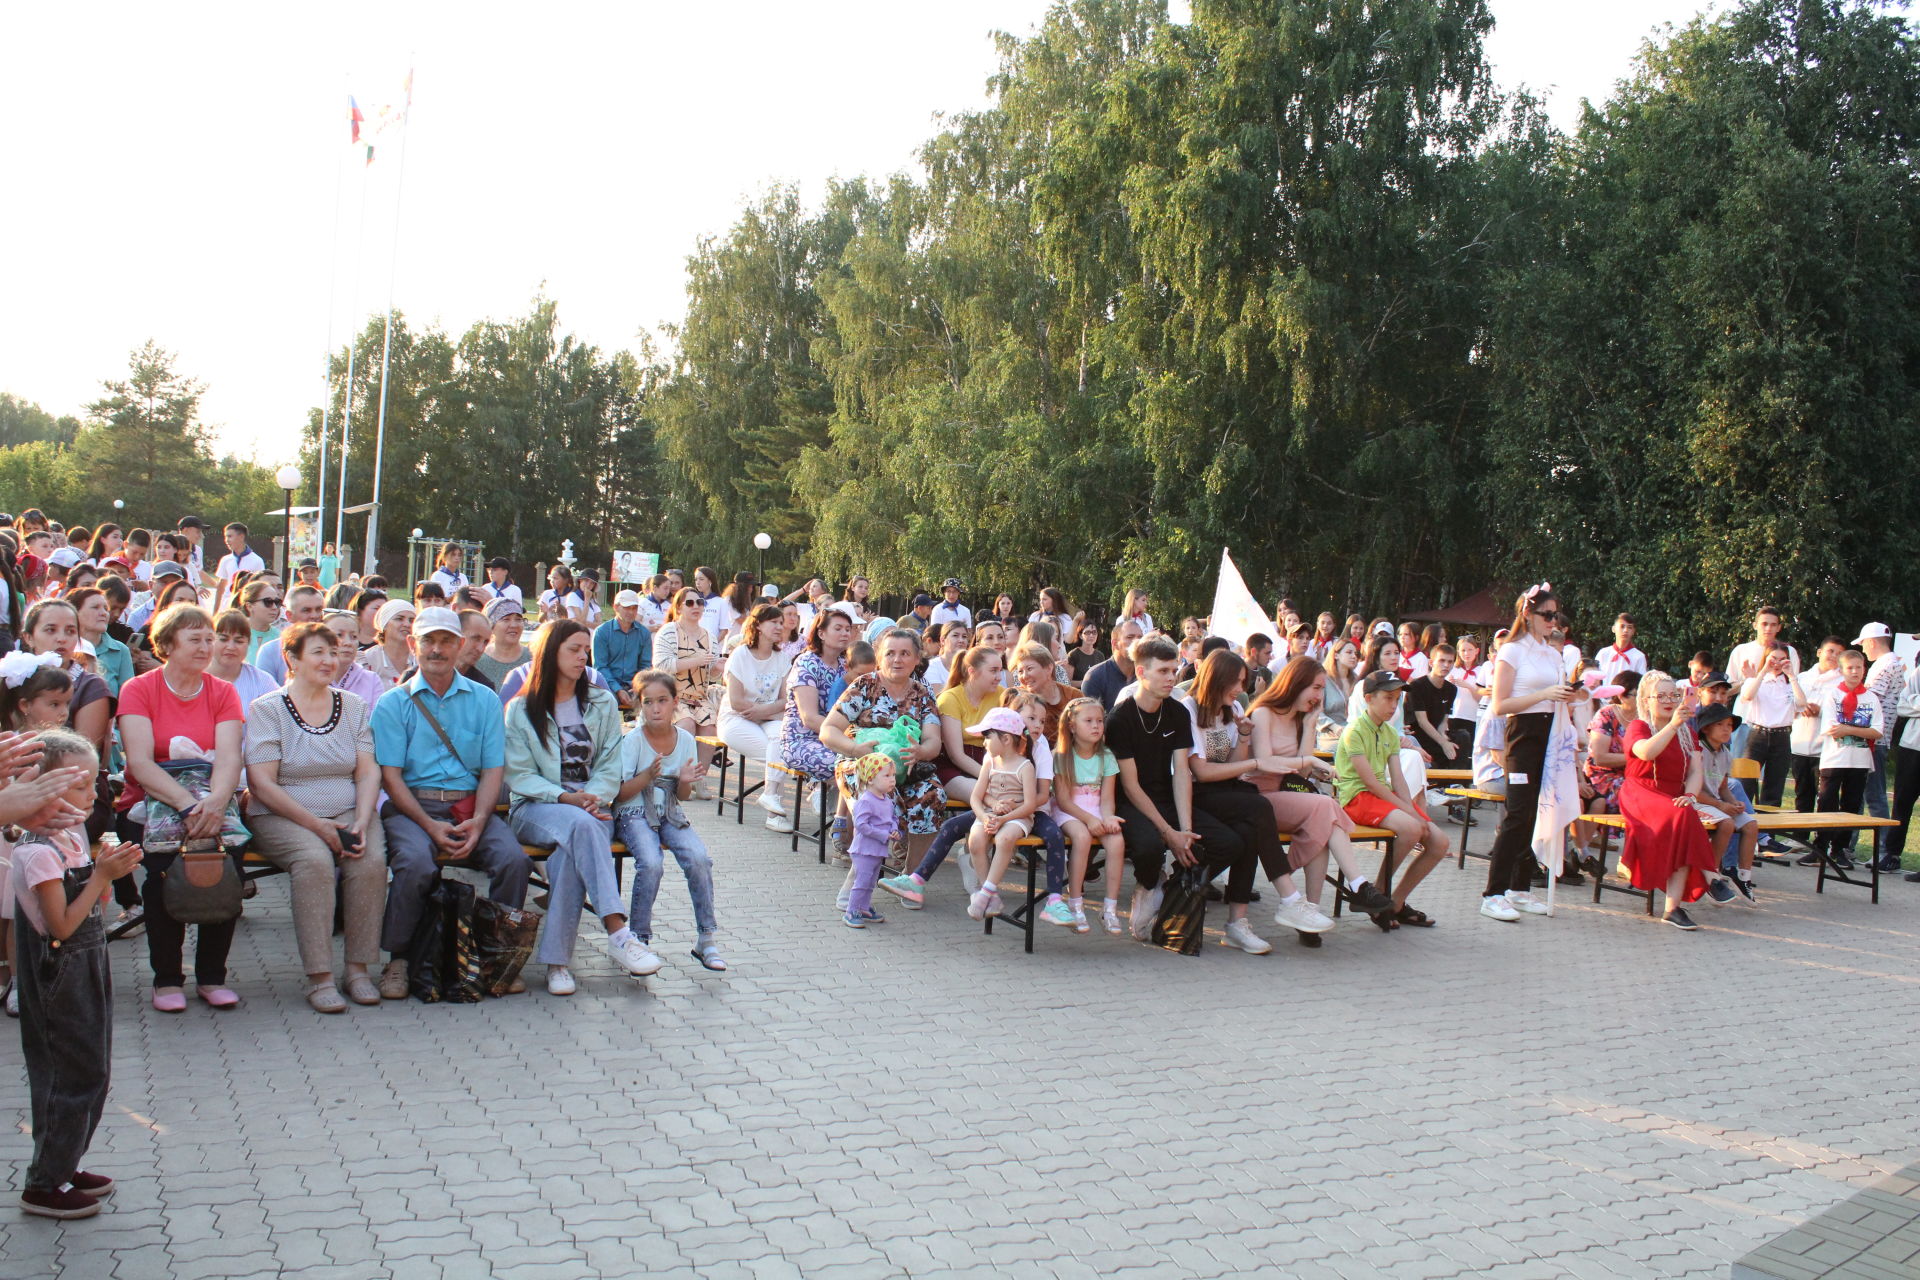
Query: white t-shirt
(944,612)
(1743,662)
(1569,660)
(1417,666)
(636,753)
(760,677)
(507,591)
(1771,706)
(449,581)
(1611,662)
(575,607)
(1537,666)
(718,618)
(1848,753)
(1465,705)
(1806,729)
(230,565)
(653,613)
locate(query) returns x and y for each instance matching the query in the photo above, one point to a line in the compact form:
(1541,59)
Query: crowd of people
(363,738)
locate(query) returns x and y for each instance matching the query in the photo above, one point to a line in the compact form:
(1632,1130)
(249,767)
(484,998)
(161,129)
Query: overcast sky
(174,170)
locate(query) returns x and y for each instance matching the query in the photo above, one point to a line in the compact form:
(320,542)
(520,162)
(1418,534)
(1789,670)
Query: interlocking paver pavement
(1593,1096)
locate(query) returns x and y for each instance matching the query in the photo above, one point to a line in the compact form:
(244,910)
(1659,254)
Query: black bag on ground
(443,964)
(1181,923)
(503,937)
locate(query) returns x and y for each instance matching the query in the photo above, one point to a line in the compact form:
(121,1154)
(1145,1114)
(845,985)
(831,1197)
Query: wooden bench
(1469,798)
(1774,822)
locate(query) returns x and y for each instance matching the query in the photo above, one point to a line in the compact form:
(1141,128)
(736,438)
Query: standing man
(1745,662)
(950,609)
(918,618)
(240,558)
(1886,680)
(621,647)
(500,579)
(1772,697)
(1108,678)
(442,749)
(1621,655)
(653,605)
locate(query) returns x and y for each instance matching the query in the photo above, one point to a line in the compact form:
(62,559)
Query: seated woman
(389,657)
(180,700)
(750,710)
(1606,766)
(658,770)
(1666,847)
(879,700)
(1085,654)
(350,676)
(313,788)
(52,626)
(260,605)
(1342,666)
(683,648)
(563,776)
(366,604)
(1283,720)
(232,636)
(93,615)
(815,671)
(972,689)
(504,653)
(951,645)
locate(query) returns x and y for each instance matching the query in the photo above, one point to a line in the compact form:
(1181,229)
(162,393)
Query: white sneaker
(1146,905)
(13,1000)
(1498,908)
(1437,800)
(1302,915)
(1240,934)
(634,957)
(559,981)
(769,800)
(1521,900)
(781,822)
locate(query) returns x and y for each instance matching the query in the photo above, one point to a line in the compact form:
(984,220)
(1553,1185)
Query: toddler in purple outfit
(874,821)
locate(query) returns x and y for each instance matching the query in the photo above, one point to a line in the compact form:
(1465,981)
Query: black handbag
(202,886)
(1180,924)
(445,965)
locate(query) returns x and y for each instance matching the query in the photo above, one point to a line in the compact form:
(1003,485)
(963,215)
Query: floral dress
(804,750)
(867,705)
(1606,782)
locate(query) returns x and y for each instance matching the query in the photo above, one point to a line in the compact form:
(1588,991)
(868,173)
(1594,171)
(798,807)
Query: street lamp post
(761,542)
(288,478)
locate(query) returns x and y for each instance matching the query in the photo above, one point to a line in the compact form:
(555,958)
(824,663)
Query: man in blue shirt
(441,745)
(1108,678)
(622,647)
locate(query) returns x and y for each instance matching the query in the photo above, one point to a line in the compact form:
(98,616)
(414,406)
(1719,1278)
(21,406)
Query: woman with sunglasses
(683,648)
(1530,687)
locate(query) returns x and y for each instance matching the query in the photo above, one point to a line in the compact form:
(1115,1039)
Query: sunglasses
(272,600)
(1551,615)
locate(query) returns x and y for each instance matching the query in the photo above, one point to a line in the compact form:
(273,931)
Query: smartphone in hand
(349,840)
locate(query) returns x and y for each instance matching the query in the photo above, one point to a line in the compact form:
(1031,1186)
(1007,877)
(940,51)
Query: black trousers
(1906,789)
(1841,791)
(167,937)
(1511,867)
(1806,789)
(1460,733)
(66,1037)
(1219,848)
(1239,804)
(1773,748)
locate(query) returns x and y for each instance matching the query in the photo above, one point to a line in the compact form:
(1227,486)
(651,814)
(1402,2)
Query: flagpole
(326,380)
(353,349)
(386,346)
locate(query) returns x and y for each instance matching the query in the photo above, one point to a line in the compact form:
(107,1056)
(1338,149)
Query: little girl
(874,821)
(1083,792)
(1003,804)
(33,696)
(66,984)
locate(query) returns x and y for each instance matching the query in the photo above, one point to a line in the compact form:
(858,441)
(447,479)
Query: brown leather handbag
(202,886)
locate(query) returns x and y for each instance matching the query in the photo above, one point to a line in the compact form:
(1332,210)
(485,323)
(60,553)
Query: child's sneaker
(1058,912)
(911,892)
(853,921)
(1080,924)
(978,904)
(1110,920)
(840,835)
(873,917)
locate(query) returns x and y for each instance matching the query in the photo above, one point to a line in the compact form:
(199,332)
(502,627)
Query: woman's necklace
(199,684)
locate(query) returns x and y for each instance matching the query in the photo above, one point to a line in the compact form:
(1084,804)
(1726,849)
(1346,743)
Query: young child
(658,765)
(1725,807)
(1369,783)
(1084,793)
(1851,721)
(33,695)
(860,660)
(875,819)
(1003,805)
(66,983)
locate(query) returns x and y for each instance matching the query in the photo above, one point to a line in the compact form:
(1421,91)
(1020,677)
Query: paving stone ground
(1596,1095)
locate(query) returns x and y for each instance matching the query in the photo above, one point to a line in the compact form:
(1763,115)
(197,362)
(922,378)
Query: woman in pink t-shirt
(180,700)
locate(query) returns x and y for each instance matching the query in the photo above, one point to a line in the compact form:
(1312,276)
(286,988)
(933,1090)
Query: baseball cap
(846,609)
(627,600)
(1381,682)
(1384,628)
(84,647)
(500,562)
(66,557)
(428,621)
(191,522)
(307,562)
(1874,631)
(1714,678)
(922,598)
(165,569)
(1003,719)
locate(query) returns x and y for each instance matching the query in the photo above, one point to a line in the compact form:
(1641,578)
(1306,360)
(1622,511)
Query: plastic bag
(427,952)
(899,741)
(460,982)
(1181,924)
(503,938)
(166,827)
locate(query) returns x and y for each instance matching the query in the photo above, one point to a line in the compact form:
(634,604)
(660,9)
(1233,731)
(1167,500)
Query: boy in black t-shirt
(1430,705)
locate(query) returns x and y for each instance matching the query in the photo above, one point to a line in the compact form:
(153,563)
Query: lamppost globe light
(287,477)
(119,504)
(416,533)
(762,541)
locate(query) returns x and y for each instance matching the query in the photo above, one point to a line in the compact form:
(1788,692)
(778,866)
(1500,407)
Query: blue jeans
(955,829)
(579,871)
(645,843)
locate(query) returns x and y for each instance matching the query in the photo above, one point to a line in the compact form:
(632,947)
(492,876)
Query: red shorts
(1368,809)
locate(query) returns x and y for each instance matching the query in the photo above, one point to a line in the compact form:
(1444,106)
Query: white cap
(84,647)
(67,557)
(1874,631)
(770,592)
(628,599)
(847,607)
(428,621)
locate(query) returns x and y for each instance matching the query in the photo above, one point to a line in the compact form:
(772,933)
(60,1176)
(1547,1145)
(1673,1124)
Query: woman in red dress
(1666,847)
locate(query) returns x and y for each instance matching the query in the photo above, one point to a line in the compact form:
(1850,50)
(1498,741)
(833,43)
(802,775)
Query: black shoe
(1843,861)
(1913,877)
(1253,895)
(1368,900)
(1679,919)
(1745,890)
(1593,866)
(1720,891)
(1308,939)
(1571,876)
(1457,814)
(1811,858)
(1887,864)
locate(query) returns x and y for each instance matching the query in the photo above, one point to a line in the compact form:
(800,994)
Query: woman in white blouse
(1529,686)
(755,699)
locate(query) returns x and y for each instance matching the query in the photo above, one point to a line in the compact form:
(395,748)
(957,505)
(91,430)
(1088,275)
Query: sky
(182,172)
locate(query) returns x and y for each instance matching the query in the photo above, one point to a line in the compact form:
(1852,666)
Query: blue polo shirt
(470,713)
(618,655)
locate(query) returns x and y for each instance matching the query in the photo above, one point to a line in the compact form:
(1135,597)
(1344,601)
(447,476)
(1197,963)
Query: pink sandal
(218,997)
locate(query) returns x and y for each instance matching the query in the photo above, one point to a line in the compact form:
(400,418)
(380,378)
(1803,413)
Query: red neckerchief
(1850,698)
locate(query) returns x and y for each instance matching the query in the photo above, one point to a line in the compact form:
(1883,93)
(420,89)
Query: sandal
(326,998)
(1385,920)
(709,955)
(1418,919)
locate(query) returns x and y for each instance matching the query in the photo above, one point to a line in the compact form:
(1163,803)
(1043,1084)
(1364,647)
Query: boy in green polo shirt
(1368,783)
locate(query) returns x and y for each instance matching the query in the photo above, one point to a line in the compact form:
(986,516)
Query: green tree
(145,443)
(23,422)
